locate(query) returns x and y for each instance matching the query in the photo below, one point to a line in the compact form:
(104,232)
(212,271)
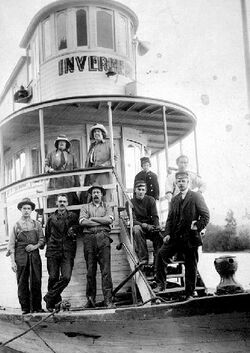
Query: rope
(42,339)
(29,329)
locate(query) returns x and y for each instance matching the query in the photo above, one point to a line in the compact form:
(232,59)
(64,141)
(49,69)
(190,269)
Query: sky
(196,59)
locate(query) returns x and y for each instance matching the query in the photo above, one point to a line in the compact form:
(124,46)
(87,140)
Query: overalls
(29,270)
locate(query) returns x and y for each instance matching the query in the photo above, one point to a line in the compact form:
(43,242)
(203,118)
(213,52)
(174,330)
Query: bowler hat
(26,201)
(100,127)
(62,138)
(97,186)
(145,160)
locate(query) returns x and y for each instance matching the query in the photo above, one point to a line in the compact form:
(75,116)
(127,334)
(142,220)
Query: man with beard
(60,234)
(187,217)
(96,218)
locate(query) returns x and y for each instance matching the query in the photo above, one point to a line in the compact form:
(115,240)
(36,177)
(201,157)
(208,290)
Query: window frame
(112,13)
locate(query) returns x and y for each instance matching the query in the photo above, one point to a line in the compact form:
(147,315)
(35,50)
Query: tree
(231,223)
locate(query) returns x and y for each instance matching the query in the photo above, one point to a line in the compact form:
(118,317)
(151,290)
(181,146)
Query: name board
(93,63)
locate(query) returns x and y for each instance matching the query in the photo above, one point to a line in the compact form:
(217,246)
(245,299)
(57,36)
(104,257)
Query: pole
(111,135)
(165,136)
(42,148)
(1,160)
(246,47)
(196,153)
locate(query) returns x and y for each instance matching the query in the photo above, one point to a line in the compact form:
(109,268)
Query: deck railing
(36,188)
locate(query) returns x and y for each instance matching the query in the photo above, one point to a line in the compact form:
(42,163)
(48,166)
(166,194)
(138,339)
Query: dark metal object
(226,266)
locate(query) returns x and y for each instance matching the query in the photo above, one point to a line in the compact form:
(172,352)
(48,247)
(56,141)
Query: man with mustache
(96,218)
(188,216)
(60,233)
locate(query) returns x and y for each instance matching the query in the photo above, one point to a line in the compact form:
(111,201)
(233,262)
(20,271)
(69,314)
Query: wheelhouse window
(20,172)
(122,35)
(61,31)
(105,33)
(81,28)
(46,39)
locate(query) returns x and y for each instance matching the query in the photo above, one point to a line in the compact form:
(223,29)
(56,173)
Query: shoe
(90,304)
(24,312)
(109,305)
(159,288)
(38,311)
(49,306)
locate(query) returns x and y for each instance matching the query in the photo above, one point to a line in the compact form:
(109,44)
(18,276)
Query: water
(212,278)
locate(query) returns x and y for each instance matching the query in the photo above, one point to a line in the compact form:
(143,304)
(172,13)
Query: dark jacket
(58,238)
(151,180)
(144,211)
(181,215)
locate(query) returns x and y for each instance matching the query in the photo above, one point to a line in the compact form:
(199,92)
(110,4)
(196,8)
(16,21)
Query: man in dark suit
(149,177)
(187,217)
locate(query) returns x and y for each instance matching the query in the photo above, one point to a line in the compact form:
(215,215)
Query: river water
(211,278)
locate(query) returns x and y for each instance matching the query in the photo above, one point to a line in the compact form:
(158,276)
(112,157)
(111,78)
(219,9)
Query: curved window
(105,35)
(81,28)
(20,171)
(61,31)
(46,39)
(121,35)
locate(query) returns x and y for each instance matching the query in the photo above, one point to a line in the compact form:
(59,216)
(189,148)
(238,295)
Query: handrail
(123,189)
(58,174)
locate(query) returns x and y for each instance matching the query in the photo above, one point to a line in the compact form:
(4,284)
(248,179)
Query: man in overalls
(25,240)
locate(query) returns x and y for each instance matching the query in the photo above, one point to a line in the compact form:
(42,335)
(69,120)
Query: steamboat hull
(204,325)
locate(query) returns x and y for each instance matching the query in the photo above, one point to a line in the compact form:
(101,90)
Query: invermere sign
(93,63)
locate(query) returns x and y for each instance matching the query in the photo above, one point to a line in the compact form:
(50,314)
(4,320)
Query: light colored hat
(100,127)
(97,186)
(62,138)
(26,201)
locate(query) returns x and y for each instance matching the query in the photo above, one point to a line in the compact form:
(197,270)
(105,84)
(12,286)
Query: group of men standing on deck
(188,216)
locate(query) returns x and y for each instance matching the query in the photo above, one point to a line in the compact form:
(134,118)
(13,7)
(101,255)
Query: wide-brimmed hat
(26,201)
(100,127)
(145,160)
(97,186)
(62,138)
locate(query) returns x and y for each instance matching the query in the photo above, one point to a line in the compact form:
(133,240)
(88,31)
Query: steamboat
(80,69)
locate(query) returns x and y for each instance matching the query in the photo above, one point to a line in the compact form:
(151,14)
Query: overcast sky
(196,59)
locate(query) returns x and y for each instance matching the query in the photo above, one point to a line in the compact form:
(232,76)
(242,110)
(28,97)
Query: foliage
(226,238)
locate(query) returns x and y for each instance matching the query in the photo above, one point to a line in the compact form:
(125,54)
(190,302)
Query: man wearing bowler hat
(25,240)
(96,218)
(188,216)
(149,177)
(61,160)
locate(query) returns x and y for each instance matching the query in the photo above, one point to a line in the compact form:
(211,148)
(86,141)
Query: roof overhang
(144,114)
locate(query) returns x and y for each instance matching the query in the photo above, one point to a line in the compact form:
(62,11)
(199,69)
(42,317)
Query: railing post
(1,160)
(111,134)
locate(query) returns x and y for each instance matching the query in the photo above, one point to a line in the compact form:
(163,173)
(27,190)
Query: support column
(111,134)
(181,148)
(42,144)
(165,136)
(1,160)
(196,153)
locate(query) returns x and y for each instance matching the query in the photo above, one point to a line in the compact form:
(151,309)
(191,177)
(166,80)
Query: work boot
(108,303)
(90,303)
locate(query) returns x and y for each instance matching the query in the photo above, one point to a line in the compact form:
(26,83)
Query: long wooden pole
(246,47)
(1,160)
(42,143)
(165,136)
(196,153)
(111,134)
